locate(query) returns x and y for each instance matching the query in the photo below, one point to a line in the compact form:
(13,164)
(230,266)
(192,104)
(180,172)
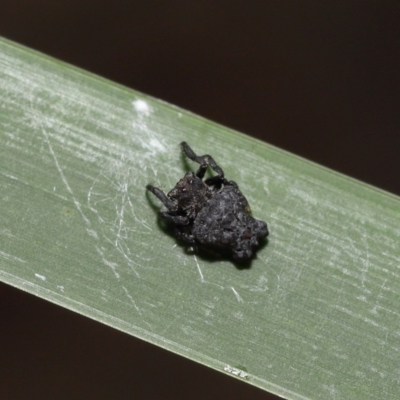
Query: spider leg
(176,219)
(204,162)
(171,205)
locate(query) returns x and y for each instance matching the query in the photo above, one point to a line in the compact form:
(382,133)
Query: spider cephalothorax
(211,213)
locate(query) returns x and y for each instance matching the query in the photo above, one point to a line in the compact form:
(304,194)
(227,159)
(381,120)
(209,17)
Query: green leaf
(317,314)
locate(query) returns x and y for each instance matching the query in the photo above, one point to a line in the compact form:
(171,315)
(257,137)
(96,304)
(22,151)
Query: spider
(211,214)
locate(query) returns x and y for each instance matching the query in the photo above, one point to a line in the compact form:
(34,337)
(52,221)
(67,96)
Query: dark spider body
(211,213)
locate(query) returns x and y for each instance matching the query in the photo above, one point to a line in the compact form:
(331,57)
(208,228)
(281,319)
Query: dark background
(318,78)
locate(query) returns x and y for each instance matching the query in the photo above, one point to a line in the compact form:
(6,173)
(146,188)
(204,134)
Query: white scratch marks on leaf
(149,137)
(380,297)
(131,300)
(120,226)
(41,277)
(199,269)
(237,372)
(92,233)
(64,179)
(237,295)
(139,311)
(262,284)
(12,177)
(202,279)
(109,264)
(238,315)
(125,252)
(333,392)
(366,263)
(9,257)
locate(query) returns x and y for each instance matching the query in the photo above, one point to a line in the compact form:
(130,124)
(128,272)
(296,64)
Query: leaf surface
(317,314)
